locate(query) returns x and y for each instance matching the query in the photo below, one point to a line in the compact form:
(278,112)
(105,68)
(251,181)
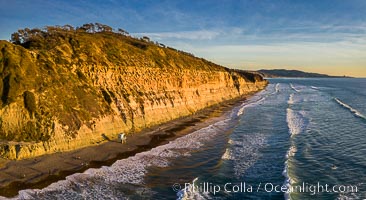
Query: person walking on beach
(122,138)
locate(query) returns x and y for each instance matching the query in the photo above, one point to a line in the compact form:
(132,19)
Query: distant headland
(277,73)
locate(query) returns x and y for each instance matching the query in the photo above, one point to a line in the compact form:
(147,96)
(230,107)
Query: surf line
(352,110)
(296,125)
(292,86)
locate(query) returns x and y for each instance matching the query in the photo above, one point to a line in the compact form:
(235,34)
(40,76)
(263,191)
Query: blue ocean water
(297,139)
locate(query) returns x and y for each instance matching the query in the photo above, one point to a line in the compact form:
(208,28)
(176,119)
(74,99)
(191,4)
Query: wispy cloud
(191,35)
(195,35)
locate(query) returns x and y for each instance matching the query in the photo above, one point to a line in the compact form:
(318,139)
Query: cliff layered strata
(74,89)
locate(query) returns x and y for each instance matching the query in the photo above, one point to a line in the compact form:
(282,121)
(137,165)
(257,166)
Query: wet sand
(39,172)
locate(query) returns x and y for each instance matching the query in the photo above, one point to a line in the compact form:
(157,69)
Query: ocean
(297,139)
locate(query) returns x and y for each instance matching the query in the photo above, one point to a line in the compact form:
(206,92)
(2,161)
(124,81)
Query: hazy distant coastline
(283,73)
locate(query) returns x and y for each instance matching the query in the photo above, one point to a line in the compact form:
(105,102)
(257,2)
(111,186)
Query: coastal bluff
(63,88)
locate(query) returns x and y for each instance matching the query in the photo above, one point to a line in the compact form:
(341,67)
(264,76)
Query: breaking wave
(244,152)
(189,193)
(277,87)
(295,122)
(354,111)
(227,155)
(292,87)
(288,180)
(246,105)
(291,99)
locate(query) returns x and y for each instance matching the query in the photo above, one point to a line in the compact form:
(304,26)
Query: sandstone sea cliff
(63,88)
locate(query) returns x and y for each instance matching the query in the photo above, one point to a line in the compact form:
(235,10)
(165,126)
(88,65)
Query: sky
(325,36)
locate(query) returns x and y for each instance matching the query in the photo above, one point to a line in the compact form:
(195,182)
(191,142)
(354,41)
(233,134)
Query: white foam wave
(288,179)
(241,111)
(296,125)
(189,193)
(227,155)
(315,88)
(251,104)
(291,152)
(354,111)
(292,87)
(351,195)
(291,99)
(287,182)
(295,122)
(244,152)
(277,87)
(99,183)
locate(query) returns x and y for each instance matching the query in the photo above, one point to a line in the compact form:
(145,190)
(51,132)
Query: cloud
(190,35)
(204,34)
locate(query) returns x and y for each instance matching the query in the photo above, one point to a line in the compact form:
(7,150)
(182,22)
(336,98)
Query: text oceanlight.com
(243,187)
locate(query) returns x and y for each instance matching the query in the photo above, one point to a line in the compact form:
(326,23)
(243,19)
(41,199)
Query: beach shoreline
(39,172)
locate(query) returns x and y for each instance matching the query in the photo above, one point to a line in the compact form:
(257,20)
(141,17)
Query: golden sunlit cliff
(63,88)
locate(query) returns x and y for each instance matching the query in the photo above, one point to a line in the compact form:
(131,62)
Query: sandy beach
(41,171)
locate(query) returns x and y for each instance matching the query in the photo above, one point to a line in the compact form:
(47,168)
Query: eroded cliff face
(88,87)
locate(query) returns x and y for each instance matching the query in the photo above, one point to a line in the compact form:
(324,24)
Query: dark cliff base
(41,171)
